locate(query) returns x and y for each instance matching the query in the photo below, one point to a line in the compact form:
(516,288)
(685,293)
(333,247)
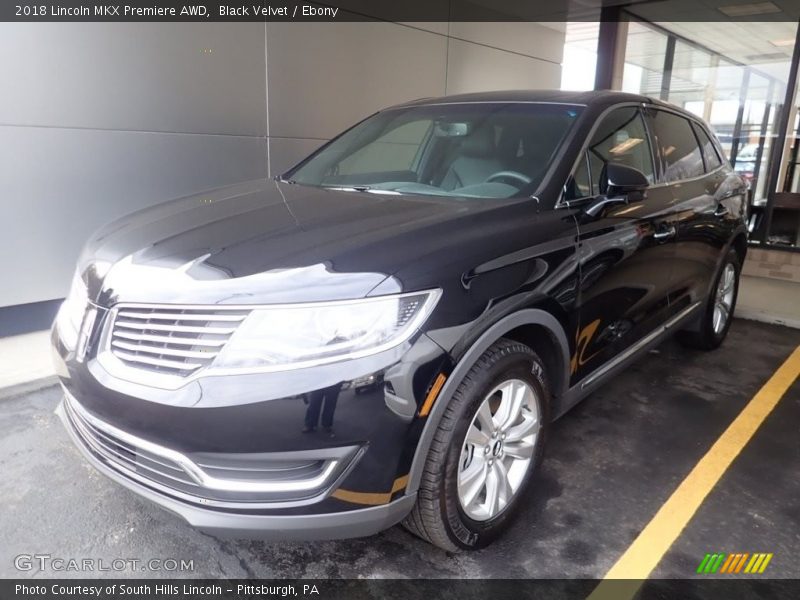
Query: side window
(709,150)
(396,147)
(579,184)
(621,138)
(677,147)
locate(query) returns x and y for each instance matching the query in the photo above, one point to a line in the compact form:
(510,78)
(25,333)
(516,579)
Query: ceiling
(736,43)
(707,11)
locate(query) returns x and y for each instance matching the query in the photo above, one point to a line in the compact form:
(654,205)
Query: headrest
(479,143)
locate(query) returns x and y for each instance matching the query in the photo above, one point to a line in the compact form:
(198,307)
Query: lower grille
(124,453)
(169,339)
(223,480)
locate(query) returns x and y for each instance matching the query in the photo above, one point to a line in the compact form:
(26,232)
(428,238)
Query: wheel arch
(536,328)
(739,244)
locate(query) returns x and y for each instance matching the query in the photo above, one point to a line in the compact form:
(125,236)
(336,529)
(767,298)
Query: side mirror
(623,184)
(623,180)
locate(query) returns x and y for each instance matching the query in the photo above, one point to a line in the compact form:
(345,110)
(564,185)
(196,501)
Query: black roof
(591,98)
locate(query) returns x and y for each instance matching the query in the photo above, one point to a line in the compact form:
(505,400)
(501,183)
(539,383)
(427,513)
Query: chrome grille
(170,339)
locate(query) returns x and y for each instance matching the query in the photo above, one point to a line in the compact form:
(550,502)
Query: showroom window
(740,90)
(645,53)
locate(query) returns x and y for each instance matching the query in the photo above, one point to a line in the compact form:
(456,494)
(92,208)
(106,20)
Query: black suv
(385,332)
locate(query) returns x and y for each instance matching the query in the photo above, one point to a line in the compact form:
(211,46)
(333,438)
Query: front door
(625,252)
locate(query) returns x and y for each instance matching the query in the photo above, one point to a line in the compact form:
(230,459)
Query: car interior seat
(476,159)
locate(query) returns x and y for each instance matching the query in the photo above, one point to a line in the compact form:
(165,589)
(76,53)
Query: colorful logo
(742,562)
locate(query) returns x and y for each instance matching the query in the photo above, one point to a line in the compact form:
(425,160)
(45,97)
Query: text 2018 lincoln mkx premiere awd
(385,332)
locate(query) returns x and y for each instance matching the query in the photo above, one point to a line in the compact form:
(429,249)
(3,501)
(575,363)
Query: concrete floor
(610,464)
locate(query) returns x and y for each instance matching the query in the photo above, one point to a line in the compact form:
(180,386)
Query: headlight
(70,315)
(288,337)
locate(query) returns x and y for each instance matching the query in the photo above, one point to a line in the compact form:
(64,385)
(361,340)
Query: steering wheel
(515,175)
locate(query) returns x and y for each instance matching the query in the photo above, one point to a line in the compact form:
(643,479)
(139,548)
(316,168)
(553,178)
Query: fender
(740,229)
(531,316)
(694,324)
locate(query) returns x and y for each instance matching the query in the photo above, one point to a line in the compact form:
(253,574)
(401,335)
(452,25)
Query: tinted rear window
(677,146)
(709,149)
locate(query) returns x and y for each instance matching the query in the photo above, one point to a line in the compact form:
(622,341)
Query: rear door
(693,173)
(625,252)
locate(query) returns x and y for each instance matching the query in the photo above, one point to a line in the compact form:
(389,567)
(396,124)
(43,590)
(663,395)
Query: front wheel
(485,450)
(718,312)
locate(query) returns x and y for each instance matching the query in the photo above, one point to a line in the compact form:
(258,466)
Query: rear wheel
(485,450)
(718,312)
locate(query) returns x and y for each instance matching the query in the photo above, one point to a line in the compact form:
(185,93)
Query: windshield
(479,150)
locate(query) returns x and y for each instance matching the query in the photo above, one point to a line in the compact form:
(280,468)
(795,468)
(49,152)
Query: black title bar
(384,10)
(733,588)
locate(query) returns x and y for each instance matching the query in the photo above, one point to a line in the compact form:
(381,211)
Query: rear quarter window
(710,152)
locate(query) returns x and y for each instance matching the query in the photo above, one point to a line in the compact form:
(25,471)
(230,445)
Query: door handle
(665,234)
(721,211)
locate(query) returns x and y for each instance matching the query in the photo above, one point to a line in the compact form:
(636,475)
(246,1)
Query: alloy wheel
(498,449)
(723,300)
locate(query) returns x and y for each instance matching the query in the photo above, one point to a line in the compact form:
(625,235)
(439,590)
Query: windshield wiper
(348,188)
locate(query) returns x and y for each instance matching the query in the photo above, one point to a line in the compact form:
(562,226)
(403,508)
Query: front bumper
(219,421)
(346,524)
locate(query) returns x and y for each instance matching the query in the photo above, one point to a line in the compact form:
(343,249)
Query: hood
(266,242)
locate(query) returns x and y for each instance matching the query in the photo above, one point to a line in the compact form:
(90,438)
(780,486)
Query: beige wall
(324,77)
(101,119)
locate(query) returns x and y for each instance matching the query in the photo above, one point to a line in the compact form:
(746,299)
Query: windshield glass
(479,150)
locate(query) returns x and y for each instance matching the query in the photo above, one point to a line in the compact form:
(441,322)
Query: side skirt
(592,381)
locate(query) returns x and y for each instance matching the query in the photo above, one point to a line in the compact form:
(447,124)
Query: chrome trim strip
(157,362)
(165,339)
(223,307)
(175,328)
(194,471)
(458,102)
(631,350)
(281,470)
(116,456)
(163,351)
(180,316)
(96,432)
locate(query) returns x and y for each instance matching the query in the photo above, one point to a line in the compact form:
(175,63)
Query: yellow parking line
(649,547)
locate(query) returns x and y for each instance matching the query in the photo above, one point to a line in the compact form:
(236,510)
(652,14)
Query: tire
(708,336)
(508,369)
